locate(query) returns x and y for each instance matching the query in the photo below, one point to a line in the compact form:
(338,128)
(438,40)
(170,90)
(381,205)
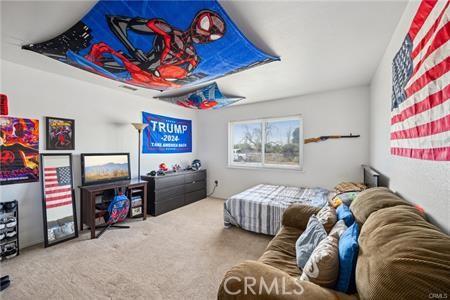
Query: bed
(260,208)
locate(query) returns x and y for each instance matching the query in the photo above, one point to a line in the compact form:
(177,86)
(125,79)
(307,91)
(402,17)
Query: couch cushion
(371,200)
(322,267)
(402,256)
(309,240)
(280,253)
(297,215)
(235,285)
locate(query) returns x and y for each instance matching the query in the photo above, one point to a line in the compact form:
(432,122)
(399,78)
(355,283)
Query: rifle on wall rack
(326,137)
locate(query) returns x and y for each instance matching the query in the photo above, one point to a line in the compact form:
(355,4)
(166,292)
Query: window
(269,143)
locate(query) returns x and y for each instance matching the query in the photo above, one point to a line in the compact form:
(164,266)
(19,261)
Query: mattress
(260,208)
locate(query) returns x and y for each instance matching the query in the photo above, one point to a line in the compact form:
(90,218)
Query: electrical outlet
(216,182)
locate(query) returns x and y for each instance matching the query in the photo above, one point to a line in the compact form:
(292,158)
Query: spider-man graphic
(173,56)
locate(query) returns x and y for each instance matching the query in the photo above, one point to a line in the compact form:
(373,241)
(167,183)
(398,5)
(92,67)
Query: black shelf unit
(9,243)
(136,196)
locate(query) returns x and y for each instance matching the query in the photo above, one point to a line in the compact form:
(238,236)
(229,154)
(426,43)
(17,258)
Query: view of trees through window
(281,138)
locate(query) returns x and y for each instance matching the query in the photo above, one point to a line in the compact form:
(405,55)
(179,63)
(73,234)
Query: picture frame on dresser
(58,199)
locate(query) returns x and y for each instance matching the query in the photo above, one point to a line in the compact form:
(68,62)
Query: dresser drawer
(194,186)
(169,181)
(194,196)
(166,205)
(164,194)
(197,176)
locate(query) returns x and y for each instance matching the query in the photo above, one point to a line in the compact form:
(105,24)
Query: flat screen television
(99,168)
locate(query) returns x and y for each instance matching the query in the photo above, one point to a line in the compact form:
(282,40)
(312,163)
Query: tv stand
(89,193)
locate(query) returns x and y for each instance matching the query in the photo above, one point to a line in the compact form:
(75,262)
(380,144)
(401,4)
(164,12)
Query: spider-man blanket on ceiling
(155,44)
(204,98)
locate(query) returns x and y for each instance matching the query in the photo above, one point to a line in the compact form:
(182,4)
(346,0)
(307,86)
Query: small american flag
(420,113)
(57,186)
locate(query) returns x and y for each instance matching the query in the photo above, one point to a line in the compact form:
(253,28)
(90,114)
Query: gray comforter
(260,208)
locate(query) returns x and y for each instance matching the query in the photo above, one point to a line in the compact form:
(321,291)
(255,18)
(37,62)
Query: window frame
(263,164)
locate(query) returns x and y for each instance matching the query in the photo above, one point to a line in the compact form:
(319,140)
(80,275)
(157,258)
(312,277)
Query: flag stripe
(433,127)
(428,103)
(439,40)
(438,56)
(430,75)
(435,113)
(431,88)
(59,204)
(438,10)
(439,154)
(60,190)
(422,14)
(63,196)
(435,141)
(51,185)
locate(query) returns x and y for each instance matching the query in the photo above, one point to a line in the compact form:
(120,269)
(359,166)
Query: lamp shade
(139,126)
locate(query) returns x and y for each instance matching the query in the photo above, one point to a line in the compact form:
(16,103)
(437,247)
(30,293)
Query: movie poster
(60,134)
(19,150)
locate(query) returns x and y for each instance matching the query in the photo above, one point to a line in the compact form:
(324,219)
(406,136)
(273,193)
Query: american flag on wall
(420,113)
(57,186)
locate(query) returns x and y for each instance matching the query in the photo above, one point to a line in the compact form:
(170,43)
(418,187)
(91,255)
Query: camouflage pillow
(349,187)
(327,216)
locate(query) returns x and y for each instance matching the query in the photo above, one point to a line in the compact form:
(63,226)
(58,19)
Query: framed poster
(19,150)
(60,133)
(58,201)
(166,135)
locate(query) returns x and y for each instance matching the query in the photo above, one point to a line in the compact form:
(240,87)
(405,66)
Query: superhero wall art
(208,97)
(19,150)
(155,44)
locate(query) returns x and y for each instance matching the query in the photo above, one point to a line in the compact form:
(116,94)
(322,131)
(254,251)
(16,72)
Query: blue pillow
(348,254)
(344,213)
(308,240)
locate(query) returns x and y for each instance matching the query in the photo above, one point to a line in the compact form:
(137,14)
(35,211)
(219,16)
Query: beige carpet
(179,255)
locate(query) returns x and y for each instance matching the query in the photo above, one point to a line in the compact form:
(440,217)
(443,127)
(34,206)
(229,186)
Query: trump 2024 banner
(166,135)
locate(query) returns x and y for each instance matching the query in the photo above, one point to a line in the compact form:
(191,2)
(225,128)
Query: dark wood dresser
(171,191)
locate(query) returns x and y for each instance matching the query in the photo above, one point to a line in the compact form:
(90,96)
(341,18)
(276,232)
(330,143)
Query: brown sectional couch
(401,256)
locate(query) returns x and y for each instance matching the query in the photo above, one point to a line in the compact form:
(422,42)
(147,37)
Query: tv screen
(104,167)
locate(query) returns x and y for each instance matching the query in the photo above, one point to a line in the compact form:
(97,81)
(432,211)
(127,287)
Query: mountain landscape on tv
(108,171)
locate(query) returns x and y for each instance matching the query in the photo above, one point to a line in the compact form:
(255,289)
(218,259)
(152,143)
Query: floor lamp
(139,127)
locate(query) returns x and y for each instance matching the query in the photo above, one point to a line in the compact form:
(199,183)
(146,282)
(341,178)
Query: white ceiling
(323,45)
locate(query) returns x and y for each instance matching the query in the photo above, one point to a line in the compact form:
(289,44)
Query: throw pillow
(327,216)
(347,197)
(309,240)
(348,254)
(322,267)
(344,213)
(338,229)
(336,202)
